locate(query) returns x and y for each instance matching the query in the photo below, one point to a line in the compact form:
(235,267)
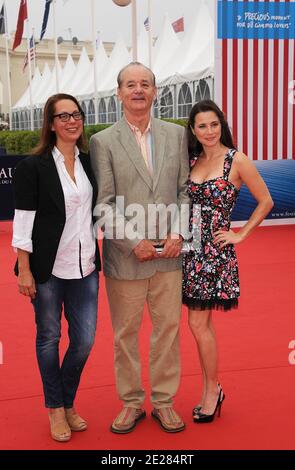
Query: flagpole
(34,46)
(8,68)
(55,47)
(29,70)
(134,31)
(94,61)
(150,35)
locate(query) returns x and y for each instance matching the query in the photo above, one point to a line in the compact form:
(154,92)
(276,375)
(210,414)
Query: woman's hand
(226,237)
(26,284)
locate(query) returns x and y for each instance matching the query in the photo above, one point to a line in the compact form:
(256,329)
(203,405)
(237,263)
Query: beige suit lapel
(132,150)
(159,143)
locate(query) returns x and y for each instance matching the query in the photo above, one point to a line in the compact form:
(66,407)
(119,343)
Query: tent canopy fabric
(195,54)
(43,85)
(174,62)
(24,101)
(165,47)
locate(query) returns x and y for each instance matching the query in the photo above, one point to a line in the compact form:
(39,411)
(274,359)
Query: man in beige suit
(141,160)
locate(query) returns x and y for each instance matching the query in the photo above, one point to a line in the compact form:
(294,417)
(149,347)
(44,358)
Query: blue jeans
(78,297)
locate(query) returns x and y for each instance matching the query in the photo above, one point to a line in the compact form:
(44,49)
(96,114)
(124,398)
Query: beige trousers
(127,298)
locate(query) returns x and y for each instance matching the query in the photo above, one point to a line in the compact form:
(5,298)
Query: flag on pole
(45,18)
(2,21)
(147,23)
(22,16)
(178,25)
(32,53)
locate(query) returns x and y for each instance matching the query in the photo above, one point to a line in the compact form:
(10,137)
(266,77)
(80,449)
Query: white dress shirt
(76,251)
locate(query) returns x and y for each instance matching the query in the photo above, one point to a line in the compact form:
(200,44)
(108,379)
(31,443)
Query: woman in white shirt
(58,257)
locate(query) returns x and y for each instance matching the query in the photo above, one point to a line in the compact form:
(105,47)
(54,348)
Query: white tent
(102,65)
(195,54)
(82,73)
(69,71)
(164,49)
(174,63)
(43,85)
(35,83)
(118,59)
(52,89)
(48,86)
(143,46)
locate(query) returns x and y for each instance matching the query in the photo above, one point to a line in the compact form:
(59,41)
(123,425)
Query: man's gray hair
(119,77)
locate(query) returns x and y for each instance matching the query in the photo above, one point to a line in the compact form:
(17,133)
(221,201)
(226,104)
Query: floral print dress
(210,275)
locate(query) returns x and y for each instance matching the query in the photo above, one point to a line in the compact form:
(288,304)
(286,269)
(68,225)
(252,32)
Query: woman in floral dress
(210,274)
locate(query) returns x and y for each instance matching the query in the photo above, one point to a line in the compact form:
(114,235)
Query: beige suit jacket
(120,170)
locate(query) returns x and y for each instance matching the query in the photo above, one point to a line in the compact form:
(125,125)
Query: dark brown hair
(48,137)
(194,146)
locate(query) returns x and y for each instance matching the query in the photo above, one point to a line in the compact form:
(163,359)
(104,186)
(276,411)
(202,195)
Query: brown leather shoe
(75,421)
(59,428)
(127,419)
(168,419)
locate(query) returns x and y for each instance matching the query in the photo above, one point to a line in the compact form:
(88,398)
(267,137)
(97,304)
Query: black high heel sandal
(197,408)
(204,418)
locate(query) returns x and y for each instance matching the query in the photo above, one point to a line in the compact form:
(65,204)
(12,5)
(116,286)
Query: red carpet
(255,373)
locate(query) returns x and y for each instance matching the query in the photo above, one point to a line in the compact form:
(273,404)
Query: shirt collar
(57,155)
(135,129)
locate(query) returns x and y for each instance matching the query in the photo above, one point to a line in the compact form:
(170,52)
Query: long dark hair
(48,136)
(194,146)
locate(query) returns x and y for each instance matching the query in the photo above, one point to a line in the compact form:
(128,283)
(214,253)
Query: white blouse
(76,251)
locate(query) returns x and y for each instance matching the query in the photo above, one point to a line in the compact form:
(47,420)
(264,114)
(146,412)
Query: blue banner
(279,176)
(256,20)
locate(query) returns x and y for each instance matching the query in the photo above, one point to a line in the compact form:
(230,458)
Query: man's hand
(172,246)
(145,251)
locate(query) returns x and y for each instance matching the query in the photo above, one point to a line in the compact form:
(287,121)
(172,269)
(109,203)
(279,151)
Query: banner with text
(255,66)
